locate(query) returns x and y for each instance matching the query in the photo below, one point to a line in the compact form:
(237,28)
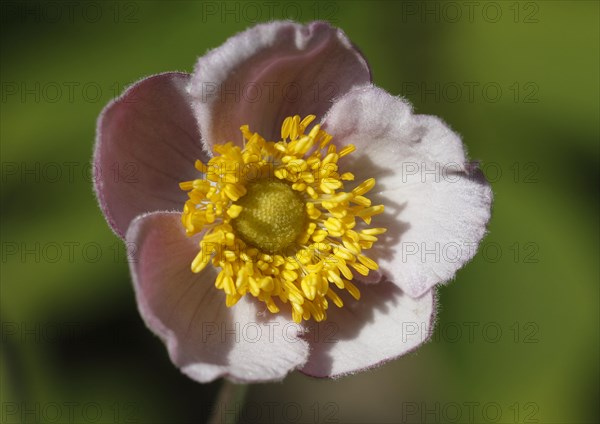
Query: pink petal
(204,338)
(271,71)
(147,141)
(383,325)
(435,219)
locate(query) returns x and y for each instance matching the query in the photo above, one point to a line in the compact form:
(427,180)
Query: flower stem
(229,403)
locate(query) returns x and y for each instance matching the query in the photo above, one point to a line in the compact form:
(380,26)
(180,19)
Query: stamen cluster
(329,248)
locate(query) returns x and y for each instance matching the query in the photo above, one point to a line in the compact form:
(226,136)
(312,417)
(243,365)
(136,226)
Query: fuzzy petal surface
(146,143)
(383,325)
(437,205)
(271,71)
(205,339)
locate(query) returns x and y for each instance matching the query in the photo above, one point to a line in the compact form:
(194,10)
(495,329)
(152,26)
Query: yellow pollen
(278,222)
(272,215)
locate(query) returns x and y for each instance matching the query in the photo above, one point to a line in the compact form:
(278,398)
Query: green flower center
(273,215)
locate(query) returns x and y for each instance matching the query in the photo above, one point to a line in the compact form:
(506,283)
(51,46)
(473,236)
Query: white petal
(383,325)
(204,338)
(437,205)
(146,143)
(271,71)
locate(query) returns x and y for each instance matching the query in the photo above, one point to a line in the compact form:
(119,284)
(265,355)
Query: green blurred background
(517,333)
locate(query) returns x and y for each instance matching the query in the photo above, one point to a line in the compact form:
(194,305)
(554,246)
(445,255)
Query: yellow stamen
(277,222)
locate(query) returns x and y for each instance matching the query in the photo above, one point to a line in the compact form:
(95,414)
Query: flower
(246,193)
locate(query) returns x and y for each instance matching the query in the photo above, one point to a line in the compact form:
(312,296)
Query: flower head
(258,217)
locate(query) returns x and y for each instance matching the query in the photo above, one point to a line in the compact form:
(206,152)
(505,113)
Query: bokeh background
(517,333)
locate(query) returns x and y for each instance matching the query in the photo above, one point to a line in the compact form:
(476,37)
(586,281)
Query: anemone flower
(282,212)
